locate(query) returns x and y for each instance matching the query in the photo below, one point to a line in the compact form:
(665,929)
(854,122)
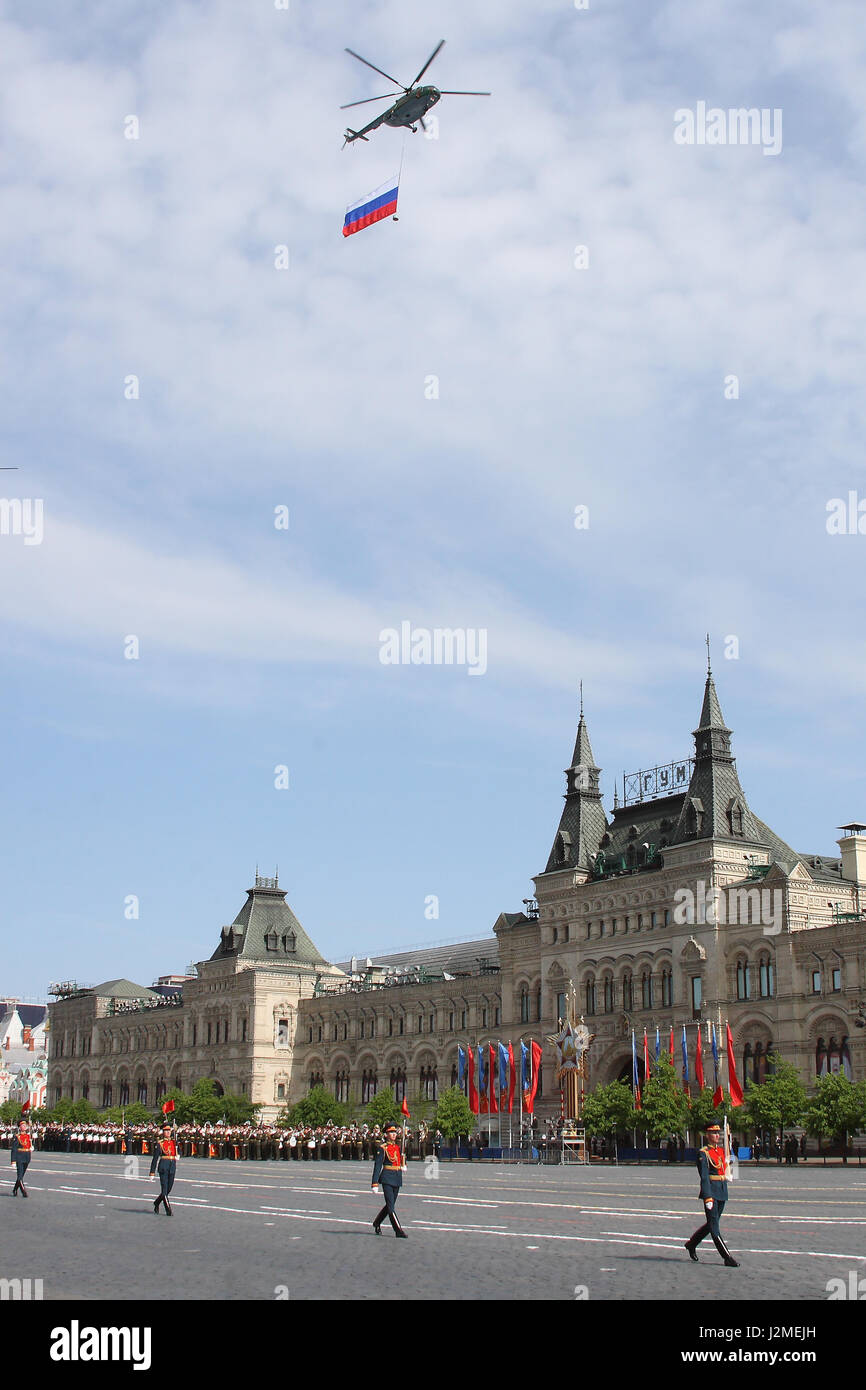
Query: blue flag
(658,1043)
(524,1067)
(685,1056)
(482,1071)
(461,1066)
(503,1069)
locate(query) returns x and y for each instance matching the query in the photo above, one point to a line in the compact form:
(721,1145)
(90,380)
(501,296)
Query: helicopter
(408,109)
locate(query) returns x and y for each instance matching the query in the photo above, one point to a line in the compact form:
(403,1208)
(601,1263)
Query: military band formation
(390,1147)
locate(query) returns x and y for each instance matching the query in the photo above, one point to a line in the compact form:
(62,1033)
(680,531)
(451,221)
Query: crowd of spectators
(302,1143)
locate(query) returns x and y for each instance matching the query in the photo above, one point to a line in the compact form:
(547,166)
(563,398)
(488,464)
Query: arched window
(608,994)
(524,1005)
(646,990)
(106,1094)
(760,1072)
(398,1083)
(845,1058)
(747,1060)
(667,989)
(341,1086)
(766,977)
(369,1086)
(627,992)
(430,1083)
(142,1091)
(744,980)
(589,991)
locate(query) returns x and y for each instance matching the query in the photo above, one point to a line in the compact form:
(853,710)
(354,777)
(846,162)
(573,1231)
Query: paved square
(302,1230)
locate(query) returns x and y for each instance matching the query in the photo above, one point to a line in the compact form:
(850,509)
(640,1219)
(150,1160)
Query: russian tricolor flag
(373,207)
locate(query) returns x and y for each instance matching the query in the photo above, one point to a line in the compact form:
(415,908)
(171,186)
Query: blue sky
(305,388)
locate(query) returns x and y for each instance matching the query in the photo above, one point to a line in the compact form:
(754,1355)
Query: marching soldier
(388,1169)
(712,1167)
(165,1160)
(22,1147)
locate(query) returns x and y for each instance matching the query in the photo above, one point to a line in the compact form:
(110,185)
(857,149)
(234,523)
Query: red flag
(699,1062)
(512,1075)
(25,1106)
(404,1109)
(529,1098)
(734,1086)
(493,1064)
(718,1096)
(646,1065)
(167,1107)
(473,1089)
(672,1045)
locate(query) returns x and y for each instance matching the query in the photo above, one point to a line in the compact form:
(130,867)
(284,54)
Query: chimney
(853,847)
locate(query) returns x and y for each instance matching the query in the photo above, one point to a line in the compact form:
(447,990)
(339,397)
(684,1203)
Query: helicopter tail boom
(352,135)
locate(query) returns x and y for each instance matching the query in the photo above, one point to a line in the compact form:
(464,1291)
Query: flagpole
(520,1098)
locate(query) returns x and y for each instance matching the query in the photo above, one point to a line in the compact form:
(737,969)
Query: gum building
(679,906)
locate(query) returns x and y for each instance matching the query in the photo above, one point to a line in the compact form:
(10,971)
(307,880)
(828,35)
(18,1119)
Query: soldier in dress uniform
(22,1147)
(165,1161)
(712,1167)
(388,1169)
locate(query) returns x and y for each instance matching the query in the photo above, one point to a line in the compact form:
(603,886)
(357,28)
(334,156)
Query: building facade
(23,1060)
(681,907)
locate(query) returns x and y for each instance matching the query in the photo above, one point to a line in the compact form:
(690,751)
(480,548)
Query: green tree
(837,1109)
(135,1114)
(778,1101)
(420,1108)
(609,1110)
(10,1111)
(83,1113)
(382,1109)
(664,1105)
(206,1106)
(453,1116)
(704,1113)
(61,1113)
(317,1108)
(183,1113)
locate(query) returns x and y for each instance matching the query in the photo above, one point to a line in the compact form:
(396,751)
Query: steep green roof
(266,929)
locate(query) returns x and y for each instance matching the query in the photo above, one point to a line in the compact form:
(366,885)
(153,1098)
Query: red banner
(734,1086)
(473,1089)
(535,1062)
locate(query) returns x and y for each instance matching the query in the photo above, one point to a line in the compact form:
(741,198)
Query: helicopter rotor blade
(378,70)
(427,64)
(464,94)
(387,97)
